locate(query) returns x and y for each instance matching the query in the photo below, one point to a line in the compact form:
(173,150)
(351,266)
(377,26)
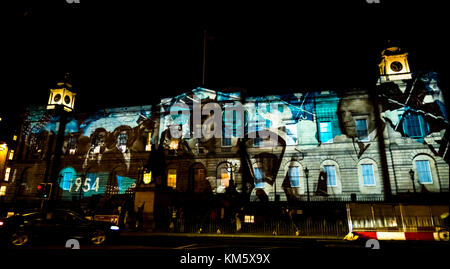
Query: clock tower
(394,66)
(62,96)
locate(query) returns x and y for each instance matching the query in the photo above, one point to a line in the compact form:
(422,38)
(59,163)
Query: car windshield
(32,215)
(76,215)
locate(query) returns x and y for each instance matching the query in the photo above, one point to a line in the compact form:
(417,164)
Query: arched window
(331,168)
(295,177)
(27,184)
(223,177)
(369,177)
(197,178)
(425,173)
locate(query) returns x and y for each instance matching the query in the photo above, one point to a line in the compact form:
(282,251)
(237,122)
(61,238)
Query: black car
(56,226)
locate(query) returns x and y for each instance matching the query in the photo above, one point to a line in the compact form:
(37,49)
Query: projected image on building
(103,152)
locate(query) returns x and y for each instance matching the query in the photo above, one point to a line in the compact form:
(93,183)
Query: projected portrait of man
(357,121)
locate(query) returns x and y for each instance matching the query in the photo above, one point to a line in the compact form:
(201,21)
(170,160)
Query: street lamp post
(231,168)
(411,174)
(307,184)
(61,100)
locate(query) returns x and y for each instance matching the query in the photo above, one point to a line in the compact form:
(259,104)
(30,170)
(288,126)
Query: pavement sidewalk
(149,233)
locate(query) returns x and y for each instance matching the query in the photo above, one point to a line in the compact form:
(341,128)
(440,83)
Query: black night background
(120,53)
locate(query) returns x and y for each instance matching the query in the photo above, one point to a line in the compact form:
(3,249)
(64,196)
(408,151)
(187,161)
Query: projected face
(347,122)
(350,111)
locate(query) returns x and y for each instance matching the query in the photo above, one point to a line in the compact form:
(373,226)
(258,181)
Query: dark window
(72,145)
(229,128)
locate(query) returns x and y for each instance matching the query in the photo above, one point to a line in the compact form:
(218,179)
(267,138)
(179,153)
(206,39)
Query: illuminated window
(173,144)
(249,219)
(148,145)
(294,176)
(147,178)
(2,190)
(225,177)
(368,175)
(11,154)
(327,118)
(291,134)
(259,176)
(362,130)
(331,175)
(172,178)
(424,172)
(7,172)
(14,137)
(67,180)
(326,132)
(414,125)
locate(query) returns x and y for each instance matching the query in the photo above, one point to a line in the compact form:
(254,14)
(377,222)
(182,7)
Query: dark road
(163,241)
(217,251)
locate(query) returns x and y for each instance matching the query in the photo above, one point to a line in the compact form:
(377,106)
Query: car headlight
(114,227)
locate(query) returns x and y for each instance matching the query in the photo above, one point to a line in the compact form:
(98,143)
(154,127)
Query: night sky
(122,54)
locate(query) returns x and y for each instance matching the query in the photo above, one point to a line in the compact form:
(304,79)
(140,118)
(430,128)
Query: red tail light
(1,223)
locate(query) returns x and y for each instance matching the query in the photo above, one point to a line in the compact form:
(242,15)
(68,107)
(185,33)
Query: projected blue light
(67,176)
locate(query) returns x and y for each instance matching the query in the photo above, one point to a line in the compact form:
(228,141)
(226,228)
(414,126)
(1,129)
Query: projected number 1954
(85,186)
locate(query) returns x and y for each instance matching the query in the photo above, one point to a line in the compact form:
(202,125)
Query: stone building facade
(103,154)
(354,145)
